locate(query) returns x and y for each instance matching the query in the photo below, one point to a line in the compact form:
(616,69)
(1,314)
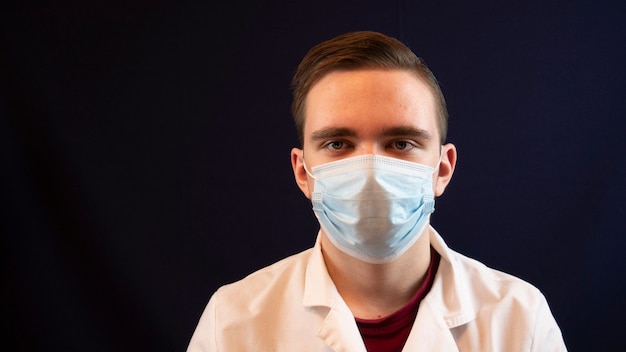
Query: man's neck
(377,290)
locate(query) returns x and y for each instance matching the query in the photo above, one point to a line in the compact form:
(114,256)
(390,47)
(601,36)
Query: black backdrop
(144,150)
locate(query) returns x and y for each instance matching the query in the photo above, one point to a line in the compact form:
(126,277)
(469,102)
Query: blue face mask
(373,207)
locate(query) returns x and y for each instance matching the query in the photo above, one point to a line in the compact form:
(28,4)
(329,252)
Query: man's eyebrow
(332,132)
(408,131)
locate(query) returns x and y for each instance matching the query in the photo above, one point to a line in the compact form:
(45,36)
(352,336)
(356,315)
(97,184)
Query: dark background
(144,152)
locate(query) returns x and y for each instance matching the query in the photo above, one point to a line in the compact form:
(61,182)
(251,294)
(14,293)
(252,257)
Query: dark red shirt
(390,333)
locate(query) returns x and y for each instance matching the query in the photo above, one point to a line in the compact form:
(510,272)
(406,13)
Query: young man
(372,123)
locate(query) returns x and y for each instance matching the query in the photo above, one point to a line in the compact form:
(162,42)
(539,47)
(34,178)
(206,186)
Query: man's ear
(299,172)
(446,168)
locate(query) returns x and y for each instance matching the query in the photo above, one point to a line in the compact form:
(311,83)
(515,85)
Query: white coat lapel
(339,331)
(338,328)
(430,333)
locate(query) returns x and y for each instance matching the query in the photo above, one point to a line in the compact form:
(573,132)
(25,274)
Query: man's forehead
(391,100)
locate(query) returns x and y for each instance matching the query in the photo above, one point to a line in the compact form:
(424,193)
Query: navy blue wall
(145,155)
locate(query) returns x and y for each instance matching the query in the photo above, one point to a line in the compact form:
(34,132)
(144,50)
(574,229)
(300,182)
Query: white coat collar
(450,294)
(319,288)
(447,305)
(338,329)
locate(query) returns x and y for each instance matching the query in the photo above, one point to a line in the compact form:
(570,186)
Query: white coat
(293,305)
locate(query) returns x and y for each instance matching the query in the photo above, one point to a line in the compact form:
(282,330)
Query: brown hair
(360,50)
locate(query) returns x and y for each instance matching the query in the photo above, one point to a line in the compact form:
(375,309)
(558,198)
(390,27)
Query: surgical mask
(373,207)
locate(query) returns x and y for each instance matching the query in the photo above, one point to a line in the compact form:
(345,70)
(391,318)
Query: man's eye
(402,145)
(335,145)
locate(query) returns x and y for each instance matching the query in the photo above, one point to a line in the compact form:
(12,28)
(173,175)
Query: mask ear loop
(305,168)
(440,157)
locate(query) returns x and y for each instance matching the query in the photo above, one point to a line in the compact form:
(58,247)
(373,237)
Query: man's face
(373,111)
